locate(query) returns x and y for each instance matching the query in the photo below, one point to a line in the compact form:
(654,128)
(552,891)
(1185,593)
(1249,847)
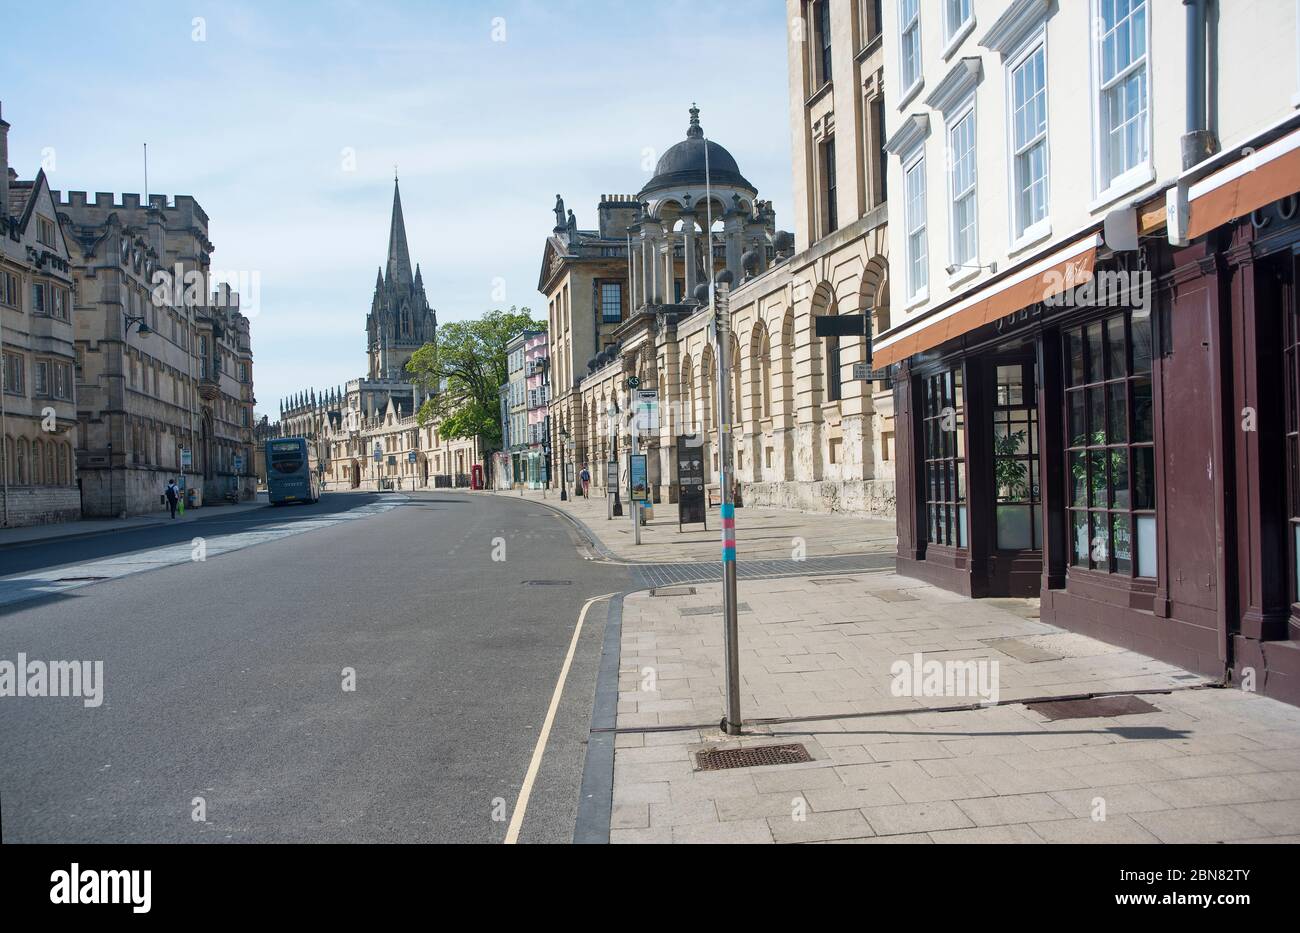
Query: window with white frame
(1029,137)
(909,24)
(915,225)
(1122,88)
(961,186)
(955,15)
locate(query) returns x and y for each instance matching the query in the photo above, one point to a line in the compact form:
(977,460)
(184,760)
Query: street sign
(640,482)
(611,475)
(841,325)
(379,454)
(238,463)
(633,382)
(864,371)
(645,411)
(187,458)
(410,456)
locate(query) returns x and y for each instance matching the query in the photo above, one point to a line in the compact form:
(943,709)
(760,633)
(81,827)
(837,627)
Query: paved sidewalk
(35,534)
(1208,765)
(762,532)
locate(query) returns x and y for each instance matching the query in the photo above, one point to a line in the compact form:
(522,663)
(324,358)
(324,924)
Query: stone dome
(683,165)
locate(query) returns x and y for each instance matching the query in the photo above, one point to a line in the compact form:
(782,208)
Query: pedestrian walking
(173,495)
(585,475)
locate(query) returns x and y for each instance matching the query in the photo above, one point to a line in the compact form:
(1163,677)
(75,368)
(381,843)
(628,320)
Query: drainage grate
(1094,708)
(78,579)
(548,583)
(721,759)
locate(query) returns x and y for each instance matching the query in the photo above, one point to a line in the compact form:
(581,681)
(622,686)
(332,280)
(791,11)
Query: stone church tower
(400,319)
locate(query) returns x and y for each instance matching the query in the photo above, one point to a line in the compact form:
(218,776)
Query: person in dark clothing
(173,495)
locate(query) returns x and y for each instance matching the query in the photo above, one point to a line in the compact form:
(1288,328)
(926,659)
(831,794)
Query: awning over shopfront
(1265,175)
(1061,271)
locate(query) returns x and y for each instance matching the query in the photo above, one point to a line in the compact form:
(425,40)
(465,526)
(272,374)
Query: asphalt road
(223,680)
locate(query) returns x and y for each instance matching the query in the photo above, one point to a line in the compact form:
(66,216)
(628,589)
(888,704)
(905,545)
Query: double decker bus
(291,470)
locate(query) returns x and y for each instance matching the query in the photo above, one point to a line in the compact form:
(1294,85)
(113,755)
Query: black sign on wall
(845,325)
(690,480)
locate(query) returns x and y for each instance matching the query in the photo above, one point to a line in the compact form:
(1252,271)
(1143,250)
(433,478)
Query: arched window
(51,472)
(38,463)
(22,464)
(10,470)
(765,376)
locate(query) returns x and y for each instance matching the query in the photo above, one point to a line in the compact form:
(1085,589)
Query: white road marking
(521,803)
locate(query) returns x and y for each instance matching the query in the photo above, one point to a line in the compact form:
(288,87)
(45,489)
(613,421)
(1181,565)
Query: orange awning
(1001,300)
(1266,176)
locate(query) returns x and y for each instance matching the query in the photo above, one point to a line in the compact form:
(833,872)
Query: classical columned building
(806,434)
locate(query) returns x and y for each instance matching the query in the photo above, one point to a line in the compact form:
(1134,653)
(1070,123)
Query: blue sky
(254,120)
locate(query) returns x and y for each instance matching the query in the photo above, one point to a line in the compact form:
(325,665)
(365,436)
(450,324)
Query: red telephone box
(476,476)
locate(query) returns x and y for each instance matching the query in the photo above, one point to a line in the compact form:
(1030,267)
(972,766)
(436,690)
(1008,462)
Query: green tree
(464,369)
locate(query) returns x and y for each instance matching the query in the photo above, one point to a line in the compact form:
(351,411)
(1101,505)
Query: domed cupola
(683,165)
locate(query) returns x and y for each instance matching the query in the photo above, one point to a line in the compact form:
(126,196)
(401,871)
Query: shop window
(1015,459)
(1111,451)
(943,427)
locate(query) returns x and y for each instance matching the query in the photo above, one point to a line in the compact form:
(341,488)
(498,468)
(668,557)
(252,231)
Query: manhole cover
(710,610)
(1021,650)
(892,596)
(1094,708)
(821,581)
(673,591)
(548,583)
(721,759)
(78,579)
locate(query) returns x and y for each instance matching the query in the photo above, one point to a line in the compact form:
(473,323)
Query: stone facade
(165,358)
(806,435)
(38,418)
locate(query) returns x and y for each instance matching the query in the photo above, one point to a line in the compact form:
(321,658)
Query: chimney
(4,165)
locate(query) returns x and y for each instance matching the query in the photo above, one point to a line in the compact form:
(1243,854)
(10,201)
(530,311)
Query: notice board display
(690,481)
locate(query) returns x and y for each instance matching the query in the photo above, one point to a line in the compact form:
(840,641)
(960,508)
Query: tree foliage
(464,369)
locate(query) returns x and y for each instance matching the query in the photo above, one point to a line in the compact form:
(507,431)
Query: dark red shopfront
(1130,455)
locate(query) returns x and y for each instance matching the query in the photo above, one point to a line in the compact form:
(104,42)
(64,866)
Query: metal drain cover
(1094,708)
(78,579)
(548,583)
(673,591)
(710,610)
(722,759)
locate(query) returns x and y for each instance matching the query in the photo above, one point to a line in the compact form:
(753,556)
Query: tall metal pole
(731,635)
(634,504)
(721,318)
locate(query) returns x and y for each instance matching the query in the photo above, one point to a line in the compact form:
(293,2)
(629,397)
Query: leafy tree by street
(464,369)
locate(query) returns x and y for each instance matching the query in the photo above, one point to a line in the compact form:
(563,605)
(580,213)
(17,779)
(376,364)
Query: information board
(690,481)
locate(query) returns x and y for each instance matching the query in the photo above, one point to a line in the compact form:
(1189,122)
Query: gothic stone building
(164,361)
(38,418)
(367,433)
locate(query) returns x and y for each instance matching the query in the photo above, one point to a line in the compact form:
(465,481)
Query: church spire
(399,259)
